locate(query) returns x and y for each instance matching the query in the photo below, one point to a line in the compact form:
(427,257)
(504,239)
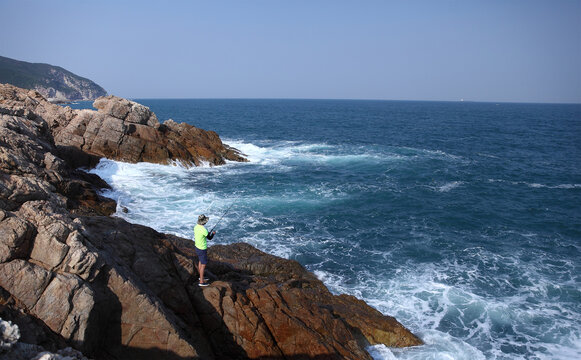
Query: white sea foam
(381,352)
(449,186)
(421,304)
(437,346)
(431,154)
(261,155)
(561,186)
(488,155)
(568,186)
(275,153)
(538,185)
(452,319)
(158,195)
(290,152)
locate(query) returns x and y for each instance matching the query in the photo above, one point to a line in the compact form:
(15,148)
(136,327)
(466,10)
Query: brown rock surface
(276,278)
(71,275)
(120,130)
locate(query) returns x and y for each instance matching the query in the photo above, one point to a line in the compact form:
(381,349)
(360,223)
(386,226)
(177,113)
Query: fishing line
(226,212)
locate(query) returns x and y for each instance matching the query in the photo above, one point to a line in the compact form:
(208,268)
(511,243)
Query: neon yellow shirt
(200,234)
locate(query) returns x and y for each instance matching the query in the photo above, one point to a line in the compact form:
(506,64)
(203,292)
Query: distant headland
(52,82)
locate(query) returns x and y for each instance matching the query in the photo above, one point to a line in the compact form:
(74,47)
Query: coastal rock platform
(71,275)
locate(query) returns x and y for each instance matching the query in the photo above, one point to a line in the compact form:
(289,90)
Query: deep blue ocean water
(462,220)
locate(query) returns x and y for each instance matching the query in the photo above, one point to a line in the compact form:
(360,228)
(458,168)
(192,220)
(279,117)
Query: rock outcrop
(70,275)
(120,130)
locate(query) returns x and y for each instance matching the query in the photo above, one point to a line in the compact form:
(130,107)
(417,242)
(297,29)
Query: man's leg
(201,268)
(202,261)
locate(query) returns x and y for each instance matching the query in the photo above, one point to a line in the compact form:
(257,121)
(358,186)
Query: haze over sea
(462,220)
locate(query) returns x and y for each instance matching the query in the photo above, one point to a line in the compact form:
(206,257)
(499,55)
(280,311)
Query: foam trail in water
(448,186)
(537,185)
(292,152)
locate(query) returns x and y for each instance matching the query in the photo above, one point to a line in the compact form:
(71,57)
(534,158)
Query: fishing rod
(226,212)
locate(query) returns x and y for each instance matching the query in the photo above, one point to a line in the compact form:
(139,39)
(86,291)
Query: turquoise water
(462,220)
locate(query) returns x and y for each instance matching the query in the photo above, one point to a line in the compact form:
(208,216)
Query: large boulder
(127,131)
(127,110)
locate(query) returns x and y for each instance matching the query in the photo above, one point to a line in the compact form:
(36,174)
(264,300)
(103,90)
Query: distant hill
(53,82)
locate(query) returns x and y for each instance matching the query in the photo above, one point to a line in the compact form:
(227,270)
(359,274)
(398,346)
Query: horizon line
(353,99)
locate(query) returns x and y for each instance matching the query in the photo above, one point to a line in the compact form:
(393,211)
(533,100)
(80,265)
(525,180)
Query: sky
(495,50)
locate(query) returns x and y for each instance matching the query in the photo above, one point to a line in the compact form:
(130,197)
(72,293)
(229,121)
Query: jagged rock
(82,259)
(151,261)
(120,130)
(127,131)
(124,109)
(30,166)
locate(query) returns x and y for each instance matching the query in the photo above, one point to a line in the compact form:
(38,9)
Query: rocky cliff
(53,82)
(73,276)
(121,130)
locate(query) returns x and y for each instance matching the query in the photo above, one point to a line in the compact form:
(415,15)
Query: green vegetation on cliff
(53,82)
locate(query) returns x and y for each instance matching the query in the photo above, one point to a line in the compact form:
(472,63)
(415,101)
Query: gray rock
(9,335)
(126,110)
(24,280)
(65,306)
(17,234)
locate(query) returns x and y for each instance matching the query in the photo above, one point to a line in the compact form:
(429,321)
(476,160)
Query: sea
(460,219)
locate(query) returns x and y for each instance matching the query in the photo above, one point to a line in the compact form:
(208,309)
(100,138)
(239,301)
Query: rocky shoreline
(73,276)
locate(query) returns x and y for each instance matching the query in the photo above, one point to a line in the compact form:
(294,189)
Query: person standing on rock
(201,236)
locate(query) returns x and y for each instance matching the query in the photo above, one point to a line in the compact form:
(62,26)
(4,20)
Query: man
(200,236)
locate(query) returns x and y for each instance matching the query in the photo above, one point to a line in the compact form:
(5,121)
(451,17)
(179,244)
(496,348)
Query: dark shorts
(202,256)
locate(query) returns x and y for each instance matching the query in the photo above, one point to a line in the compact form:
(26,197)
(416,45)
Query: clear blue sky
(498,50)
